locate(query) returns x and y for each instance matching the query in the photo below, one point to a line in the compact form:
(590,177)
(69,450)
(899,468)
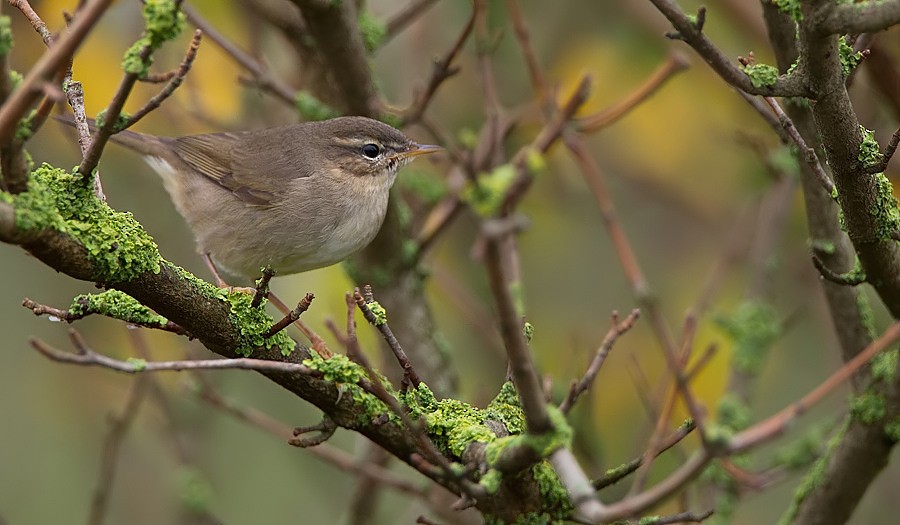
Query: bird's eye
(371,150)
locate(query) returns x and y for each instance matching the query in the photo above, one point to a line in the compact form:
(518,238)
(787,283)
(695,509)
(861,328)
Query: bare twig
(615,475)
(407,16)
(263,77)
(39,26)
(809,154)
(775,425)
(674,64)
(441,70)
(49,65)
(118,427)
(615,331)
(292,316)
(324,428)
(175,81)
(87,357)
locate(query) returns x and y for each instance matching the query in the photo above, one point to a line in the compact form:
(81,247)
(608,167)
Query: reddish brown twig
(292,316)
(363,302)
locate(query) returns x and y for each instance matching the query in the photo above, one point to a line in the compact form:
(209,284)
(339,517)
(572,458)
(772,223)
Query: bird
(291,198)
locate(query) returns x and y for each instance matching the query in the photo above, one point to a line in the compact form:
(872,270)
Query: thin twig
(87,357)
(776,425)
(674,64)
(407,16)
(176,80)
(69,317)
(809,154)
(615,331)
(263,77)
(851,278)
(363,302)
(292,316)
(119,424)
(53,61)
(615,475)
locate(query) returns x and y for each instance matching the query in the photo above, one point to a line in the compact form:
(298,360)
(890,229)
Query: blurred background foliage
(679,169)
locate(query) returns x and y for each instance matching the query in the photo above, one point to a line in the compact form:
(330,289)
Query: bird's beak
(419,149)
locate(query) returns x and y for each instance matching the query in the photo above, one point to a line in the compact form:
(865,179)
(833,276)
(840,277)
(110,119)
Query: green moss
(761,75)
(133,63)
(486,196)
(535,161)
(6,35)
(467,137)
(753,328)
(491,481)
(892,429)
(823,246)
(733,413)
(311,108)
(372,30)
(118,248)
(118,305)
(884,211)
(868,407)
(649,520)
(849,58)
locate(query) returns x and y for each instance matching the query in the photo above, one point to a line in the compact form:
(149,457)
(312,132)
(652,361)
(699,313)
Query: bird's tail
(139,142)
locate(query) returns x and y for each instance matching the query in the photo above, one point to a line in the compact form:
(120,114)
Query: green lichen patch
(118,305)
(554,495)
(116,244)
(311,108)
(733,412)
(884,211)
(253,324)
(372,30)
(163,21)
(194,489)
(868,407)
(6,36)
(892,429)
(506,408)
(801,453)
(761,75)
(814,478)
(884,366)
(379,312)
(790,8)
(451,424)
(339,369)
(486,196)
(753,327)
(139,364)
(869,150)
(849,57)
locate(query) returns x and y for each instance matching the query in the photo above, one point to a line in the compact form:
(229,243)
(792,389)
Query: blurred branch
(409,14)
(261,75)
(52,63)
(675,63)
(612,335)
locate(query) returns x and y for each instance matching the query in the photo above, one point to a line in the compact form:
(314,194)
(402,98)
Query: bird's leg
(318,344)
(221,282)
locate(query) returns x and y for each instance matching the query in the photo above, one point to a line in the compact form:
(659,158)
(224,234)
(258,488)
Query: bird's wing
(252,167)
